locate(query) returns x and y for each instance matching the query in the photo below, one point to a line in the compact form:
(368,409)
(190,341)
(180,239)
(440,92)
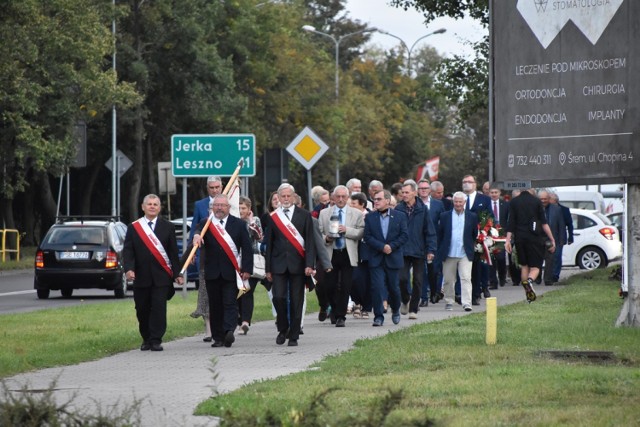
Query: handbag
(258,267)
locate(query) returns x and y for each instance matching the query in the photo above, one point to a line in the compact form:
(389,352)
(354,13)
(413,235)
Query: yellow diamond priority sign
(307,148)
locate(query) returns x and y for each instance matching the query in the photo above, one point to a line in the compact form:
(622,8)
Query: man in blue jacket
(385,233)
(456,238)
(420,246)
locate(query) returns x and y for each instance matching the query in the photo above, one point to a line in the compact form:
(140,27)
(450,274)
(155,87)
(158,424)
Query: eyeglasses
(423,188)
(378,199)
(468,182)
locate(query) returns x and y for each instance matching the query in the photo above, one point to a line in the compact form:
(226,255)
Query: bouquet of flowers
(490,238)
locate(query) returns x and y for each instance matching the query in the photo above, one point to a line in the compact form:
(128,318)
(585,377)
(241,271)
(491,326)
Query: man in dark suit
(151,261)
(433,270)
(568,238)
(555,220)
(477,203)
(228,258)
(437,193)
(289,261)
(385,232)
(457,234)
(201,207)
(500,209)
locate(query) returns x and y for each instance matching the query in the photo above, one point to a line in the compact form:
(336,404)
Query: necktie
(150,225)
(286,212)
(468,202)
(222,222)
(340,240)
(495,210)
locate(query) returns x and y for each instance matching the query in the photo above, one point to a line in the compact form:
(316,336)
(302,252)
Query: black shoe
(339,323)
(332,317)
(439,297)
(145,346)
(425,303)
(281,338)
(474,301)
(458,300)
(493,286)
(206,339)
(502,283)
(486,293)
(301,331)
(156,347)
(539,280)
(229,339)
(322,316)
(293,343)
(217,344)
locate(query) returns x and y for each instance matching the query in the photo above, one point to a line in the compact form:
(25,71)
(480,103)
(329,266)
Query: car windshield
(76,236)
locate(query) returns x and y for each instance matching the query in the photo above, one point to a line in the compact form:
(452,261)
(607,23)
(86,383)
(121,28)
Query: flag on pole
(234,199)
(428,169)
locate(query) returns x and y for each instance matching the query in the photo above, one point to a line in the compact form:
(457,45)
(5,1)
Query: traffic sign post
(307,148)
(214,154)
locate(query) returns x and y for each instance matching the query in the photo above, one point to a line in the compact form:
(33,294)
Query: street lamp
(409,50)
(337,41)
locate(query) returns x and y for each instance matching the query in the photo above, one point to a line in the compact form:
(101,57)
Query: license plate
(74,255)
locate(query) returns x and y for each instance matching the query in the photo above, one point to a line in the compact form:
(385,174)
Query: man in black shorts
(528,224)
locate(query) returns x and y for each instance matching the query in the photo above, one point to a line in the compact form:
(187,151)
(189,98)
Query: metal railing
(3,248)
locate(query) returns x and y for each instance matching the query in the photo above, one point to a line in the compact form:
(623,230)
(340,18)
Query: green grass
(27,256)
(70,335)
(447,372)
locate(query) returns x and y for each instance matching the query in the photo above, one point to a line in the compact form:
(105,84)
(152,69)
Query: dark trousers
(338,283)
(288,297)
(223,308)
(151,311)
(514,271)
(498,267)
(479,277)
(549,266)
(361,289)
(384,281)
(321,289)
(245,303)
(410,291)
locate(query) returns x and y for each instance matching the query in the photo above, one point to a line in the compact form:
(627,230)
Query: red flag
(433,166)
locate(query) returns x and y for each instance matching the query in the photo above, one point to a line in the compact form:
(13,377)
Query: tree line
(202,66)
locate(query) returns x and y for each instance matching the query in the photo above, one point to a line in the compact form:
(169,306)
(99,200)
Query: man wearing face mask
(477,202)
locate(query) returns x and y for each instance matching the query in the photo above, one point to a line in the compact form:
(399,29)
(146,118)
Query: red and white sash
(288,230)
(152,243)
(229,247)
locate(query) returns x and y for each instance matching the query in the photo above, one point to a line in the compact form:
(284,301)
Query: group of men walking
(386,255)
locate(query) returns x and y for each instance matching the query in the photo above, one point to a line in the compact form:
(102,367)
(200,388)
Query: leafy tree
(53,73)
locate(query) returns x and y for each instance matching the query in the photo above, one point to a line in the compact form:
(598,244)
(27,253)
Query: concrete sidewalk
(173,382)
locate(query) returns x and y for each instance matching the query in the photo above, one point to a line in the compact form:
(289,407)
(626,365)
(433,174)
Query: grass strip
(447,373)
(70,335)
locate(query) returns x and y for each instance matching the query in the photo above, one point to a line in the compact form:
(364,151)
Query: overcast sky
(409,26)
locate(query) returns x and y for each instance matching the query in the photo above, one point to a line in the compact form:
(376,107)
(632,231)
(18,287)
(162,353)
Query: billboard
(566,95)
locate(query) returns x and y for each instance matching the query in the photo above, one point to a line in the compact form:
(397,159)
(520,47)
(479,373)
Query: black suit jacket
(138,258)
(216,262)
(281,255)
(503,213)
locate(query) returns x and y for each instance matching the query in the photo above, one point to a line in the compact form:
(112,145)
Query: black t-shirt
(526,217)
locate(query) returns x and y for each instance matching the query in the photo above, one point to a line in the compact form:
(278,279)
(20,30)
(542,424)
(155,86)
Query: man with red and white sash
(289,260)
(228,258)
(151,261)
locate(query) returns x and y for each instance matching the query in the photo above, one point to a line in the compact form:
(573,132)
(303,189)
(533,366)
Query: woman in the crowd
(245,302)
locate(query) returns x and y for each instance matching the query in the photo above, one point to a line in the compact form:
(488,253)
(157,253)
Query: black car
(82,253)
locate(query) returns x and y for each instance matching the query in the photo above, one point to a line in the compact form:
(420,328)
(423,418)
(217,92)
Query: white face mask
(467,187)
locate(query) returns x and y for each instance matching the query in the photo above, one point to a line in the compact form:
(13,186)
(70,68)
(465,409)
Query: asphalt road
(17,294)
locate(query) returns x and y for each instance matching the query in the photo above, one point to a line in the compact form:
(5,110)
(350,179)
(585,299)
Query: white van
(590,200)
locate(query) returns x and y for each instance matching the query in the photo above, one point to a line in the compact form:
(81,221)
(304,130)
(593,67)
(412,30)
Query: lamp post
(337,41)
(409,50)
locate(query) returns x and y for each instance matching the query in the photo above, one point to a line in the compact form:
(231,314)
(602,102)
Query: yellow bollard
(492,321)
